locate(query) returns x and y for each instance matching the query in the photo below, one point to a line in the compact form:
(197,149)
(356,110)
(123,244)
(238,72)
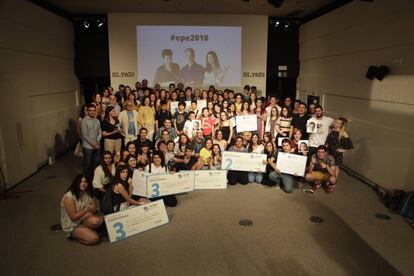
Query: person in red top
(207,123)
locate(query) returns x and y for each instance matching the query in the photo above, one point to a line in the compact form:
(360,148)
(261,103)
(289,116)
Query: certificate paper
(246,123)
(211,179)
(135,220)
(156,185)
(291,163)
(243,161)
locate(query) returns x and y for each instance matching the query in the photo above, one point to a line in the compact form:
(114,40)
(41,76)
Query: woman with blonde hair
(338,141)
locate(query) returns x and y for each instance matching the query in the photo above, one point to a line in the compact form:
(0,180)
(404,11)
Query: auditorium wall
(335,52)
(123,42)
(39,89)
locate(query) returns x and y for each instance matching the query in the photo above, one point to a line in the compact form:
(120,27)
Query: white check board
(135,220)
(291,163)
(246,123)
(243,161)
(210,179)
(156,185)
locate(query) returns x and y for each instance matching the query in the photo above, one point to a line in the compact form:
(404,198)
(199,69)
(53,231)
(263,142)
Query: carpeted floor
(204,236)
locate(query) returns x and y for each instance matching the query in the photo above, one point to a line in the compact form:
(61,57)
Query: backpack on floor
(407,206)
(106,204)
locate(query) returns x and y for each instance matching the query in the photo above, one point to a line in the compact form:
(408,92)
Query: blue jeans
(90,161)
(255,177)
(286,179)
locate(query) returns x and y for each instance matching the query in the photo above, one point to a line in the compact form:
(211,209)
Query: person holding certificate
(276,176)
(235,177)
(122,190)
(255,146)
(158,166)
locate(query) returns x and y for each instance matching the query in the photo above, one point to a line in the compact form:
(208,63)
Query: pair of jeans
(285,179)
(255,177)
(90,161)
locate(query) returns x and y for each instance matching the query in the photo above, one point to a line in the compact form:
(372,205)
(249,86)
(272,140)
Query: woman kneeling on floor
(78,212)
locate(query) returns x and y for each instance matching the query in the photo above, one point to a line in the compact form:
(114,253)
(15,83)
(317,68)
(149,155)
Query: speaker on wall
(371,72)
(377,72)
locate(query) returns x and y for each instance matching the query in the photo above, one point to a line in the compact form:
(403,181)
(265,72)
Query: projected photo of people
(196,56)
(213,74)
(192,73)
(169,72)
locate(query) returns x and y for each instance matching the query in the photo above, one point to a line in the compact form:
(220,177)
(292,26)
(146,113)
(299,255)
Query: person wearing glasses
(128,121)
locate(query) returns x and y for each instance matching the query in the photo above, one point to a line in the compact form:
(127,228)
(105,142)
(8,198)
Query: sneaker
(316,186)
(329,189)
(277,186)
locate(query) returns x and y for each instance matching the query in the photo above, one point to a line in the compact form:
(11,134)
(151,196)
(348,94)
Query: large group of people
(134,129)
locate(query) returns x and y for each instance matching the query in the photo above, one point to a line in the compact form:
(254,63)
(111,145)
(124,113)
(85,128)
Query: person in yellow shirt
(146,117)
(204,156)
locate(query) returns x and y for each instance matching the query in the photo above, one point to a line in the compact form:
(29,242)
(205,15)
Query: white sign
(312,125)
(291,163)
(303,146)
(280,140)
(246,123)
(211,179)
(156,185)
(135,220)
(243,161)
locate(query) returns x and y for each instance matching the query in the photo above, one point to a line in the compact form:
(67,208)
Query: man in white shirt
(128,121)
(323,124)
(273,102)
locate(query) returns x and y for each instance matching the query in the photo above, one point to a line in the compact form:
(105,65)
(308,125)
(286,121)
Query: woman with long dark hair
(78,212)
(213,74)
(111,132)
(103,174)
(122,190)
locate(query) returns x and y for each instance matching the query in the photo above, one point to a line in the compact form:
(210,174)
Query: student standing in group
(146,117)
(91,136)
(299,121)
(338,141)
(180,117)
(255,146)
(226,127)
(111,132)
(207,123)
(284,126)
(128,121)
(271,123)
(323,125)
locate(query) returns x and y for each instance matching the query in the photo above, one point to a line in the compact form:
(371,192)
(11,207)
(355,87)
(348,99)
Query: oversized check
(135,220)
(156,185)
(291,163)
(243,161)
(246,123)
(211,179)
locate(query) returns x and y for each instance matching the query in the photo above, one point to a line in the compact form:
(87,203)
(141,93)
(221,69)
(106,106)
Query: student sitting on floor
(276,176)
(158,166)
(122,190)
(78,216)
(103,174)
